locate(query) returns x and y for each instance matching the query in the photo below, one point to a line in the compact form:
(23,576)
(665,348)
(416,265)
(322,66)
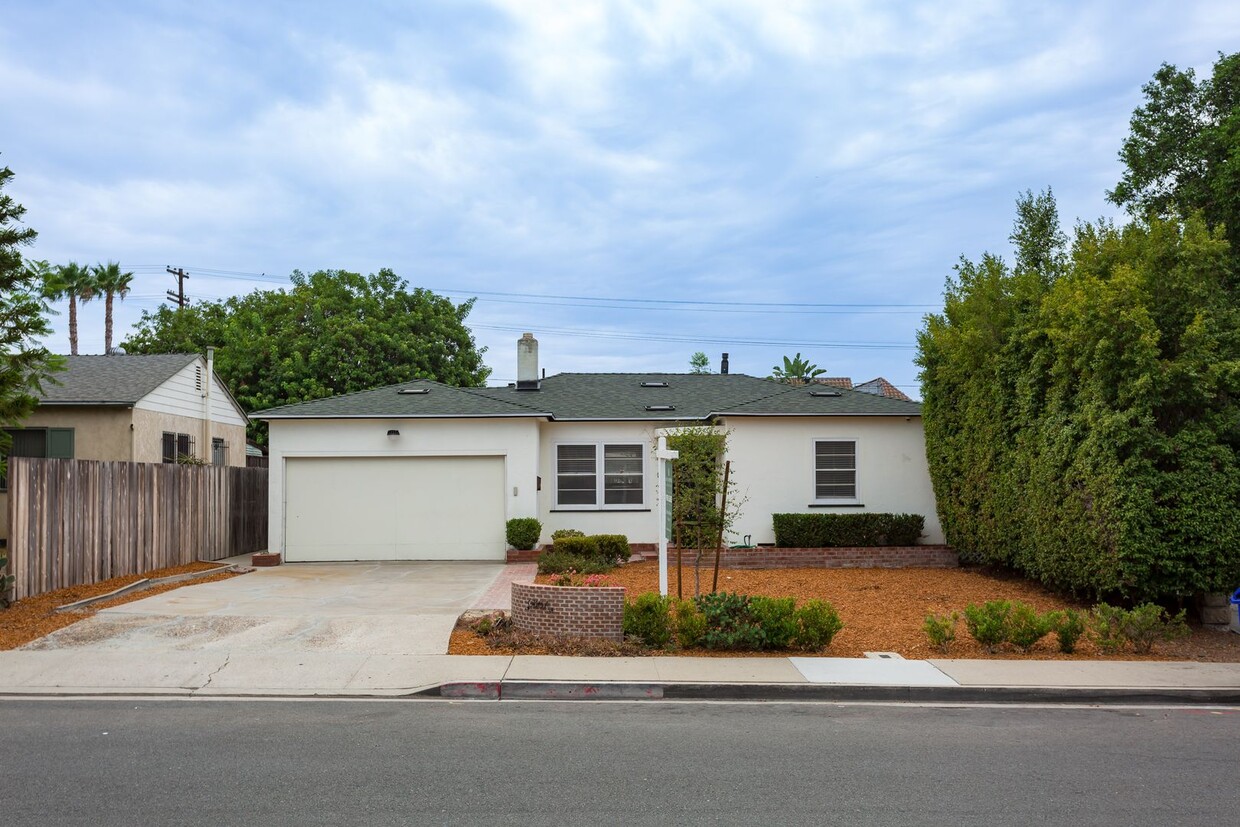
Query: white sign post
(663,503)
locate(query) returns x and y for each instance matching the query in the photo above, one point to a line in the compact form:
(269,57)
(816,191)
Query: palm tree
(76,283)
(110,281)
(796,371)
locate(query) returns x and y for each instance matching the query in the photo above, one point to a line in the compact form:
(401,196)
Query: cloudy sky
(631,181)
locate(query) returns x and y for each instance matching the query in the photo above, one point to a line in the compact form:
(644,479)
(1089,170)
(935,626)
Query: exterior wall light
(393,434)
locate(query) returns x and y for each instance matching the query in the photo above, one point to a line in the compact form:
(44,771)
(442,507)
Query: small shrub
(941,630)
(495,622)
(613,547)
(776,617)
(817,624)
(1026,626)
(1106,623)
(1068,627)
(729,622)
(523,532)
(556,562)
(690,624)
(561,533)
(647,618)
(6,581)
(988,623)
(579,546)
(572,577)
(1145,625)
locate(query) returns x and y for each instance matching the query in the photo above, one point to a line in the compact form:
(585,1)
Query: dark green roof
(119,379)
(605,396)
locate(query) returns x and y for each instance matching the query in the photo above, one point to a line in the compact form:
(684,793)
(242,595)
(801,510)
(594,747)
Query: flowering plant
(572,578)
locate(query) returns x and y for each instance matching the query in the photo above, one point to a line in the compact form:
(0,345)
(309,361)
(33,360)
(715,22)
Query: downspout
(208,451)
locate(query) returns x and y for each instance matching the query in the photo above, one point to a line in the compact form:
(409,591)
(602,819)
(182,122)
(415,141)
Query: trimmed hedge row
(840,530)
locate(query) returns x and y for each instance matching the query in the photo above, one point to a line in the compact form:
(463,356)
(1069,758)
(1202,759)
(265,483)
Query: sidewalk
(340,674)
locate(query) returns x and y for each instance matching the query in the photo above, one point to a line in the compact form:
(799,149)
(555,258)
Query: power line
(657,337)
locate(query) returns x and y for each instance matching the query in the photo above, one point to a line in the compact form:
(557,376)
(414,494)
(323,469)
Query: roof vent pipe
(723,365)
(527,363)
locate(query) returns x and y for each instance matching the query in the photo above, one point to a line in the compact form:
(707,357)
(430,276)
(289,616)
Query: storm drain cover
(883,656)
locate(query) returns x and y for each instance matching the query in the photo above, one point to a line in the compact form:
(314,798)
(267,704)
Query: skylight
(825,393)
(413,391)
(660,407)
(654,384)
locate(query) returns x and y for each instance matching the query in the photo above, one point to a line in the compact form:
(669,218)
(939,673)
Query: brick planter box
(570,611)
(875,557)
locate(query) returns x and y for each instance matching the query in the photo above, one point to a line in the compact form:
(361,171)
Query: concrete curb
(570,690)
(138,586)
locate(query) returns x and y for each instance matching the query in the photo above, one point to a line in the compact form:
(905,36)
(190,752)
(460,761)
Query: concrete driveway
(362,608)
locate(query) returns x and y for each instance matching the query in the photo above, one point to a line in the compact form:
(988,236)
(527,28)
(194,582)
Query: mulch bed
(882,609)
(33,617)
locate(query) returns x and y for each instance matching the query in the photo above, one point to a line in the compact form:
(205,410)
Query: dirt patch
(34,617)
(883,611)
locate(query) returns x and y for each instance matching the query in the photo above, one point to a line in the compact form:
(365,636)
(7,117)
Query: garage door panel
(399,508)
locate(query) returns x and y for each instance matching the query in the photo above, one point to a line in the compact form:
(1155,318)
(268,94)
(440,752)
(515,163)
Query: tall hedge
(1082,407)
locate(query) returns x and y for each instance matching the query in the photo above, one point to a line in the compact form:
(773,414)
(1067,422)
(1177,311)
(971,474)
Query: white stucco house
(424,471)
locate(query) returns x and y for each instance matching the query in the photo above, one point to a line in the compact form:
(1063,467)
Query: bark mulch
(33,617)
(883,611)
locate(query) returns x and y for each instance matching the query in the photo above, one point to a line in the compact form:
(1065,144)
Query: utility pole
(178,298)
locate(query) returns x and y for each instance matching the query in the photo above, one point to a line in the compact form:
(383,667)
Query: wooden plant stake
(723,509)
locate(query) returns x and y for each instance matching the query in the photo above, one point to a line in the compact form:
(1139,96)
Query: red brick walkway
(499,595)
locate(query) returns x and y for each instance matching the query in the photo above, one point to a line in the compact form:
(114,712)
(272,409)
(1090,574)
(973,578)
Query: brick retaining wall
(531,555)
(572,611)
(874,557)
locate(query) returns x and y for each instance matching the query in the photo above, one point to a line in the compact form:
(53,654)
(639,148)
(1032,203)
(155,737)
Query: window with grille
(579,482)
(176,446)
(835,470)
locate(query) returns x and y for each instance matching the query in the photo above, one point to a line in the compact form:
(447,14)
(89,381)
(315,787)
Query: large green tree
(332,332)
(1182,153)
(1082,411)
(24,363)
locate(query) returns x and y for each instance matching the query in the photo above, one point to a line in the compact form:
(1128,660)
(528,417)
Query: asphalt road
(377,763)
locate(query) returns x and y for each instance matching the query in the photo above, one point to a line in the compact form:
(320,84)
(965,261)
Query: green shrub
(1106,623)
(580,546)
(523,532)
(729,622)
(557,562)
(988,623)
(834,530)
(690,623)
(6,581)
(817,624)
(1026,626)
(613,547)
(560,533)
(1145,625)
(941,630)
(647,618)
(1068,627)
(776,617)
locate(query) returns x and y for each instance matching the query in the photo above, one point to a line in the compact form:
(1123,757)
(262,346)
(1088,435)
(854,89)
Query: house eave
(268,418)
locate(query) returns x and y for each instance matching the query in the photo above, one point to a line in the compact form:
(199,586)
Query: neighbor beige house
(134,408)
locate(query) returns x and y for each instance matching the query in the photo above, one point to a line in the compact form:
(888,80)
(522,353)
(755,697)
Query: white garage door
(394,508)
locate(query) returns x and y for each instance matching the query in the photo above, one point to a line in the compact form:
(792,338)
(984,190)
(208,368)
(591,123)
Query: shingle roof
(605,396)
(119,379)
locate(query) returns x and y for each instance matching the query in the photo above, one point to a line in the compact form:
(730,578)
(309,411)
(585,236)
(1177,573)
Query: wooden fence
(73,522)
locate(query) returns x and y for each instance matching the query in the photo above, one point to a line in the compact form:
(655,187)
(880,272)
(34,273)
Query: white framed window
(835,470)
(600,475)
